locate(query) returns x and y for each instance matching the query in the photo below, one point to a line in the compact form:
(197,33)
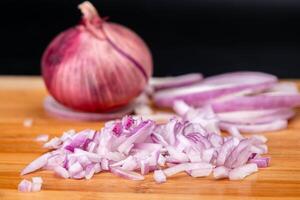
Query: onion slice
(58,110)
(215,87)
(256,116)
(159,83)
(256,128)
(257,102)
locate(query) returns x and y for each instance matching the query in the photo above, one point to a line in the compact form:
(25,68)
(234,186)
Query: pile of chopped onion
(133,147)
(250,101)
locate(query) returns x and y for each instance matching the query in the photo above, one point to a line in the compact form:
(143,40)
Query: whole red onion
(96,65)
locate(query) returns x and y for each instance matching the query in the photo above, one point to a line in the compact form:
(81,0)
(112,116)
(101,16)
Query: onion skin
(96,65)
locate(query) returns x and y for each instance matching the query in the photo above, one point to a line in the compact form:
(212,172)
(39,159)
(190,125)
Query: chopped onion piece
(62,172)
(143,109)
(27,122)
(42,138)
(25,186)
(36,164)
(54,143)
(241,172)
(235,132)
(104,164)
(158,116)
(75,168)
(97,167)
(90,171)
(36,184)
(79,175)
(261,162)
(143,132)
(161,160)
(207,154)
(127,174)
(159,176)
(181,107)
(144,167)
(185,167)
(200,172)
(221,172)
(129,164)
(225,150)
(261,138)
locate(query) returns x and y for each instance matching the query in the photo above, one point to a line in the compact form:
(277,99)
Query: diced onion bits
(28,186)
(28,122)
(133,147)
(42,138)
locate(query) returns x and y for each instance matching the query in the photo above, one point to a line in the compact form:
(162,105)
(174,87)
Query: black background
(208,36)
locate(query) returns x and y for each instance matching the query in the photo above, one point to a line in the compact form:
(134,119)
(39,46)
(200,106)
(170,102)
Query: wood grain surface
(22,98)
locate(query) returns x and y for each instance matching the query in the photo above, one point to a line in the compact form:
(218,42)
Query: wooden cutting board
(22,97)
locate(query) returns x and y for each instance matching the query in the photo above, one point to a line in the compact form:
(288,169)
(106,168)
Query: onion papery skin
(96,66)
